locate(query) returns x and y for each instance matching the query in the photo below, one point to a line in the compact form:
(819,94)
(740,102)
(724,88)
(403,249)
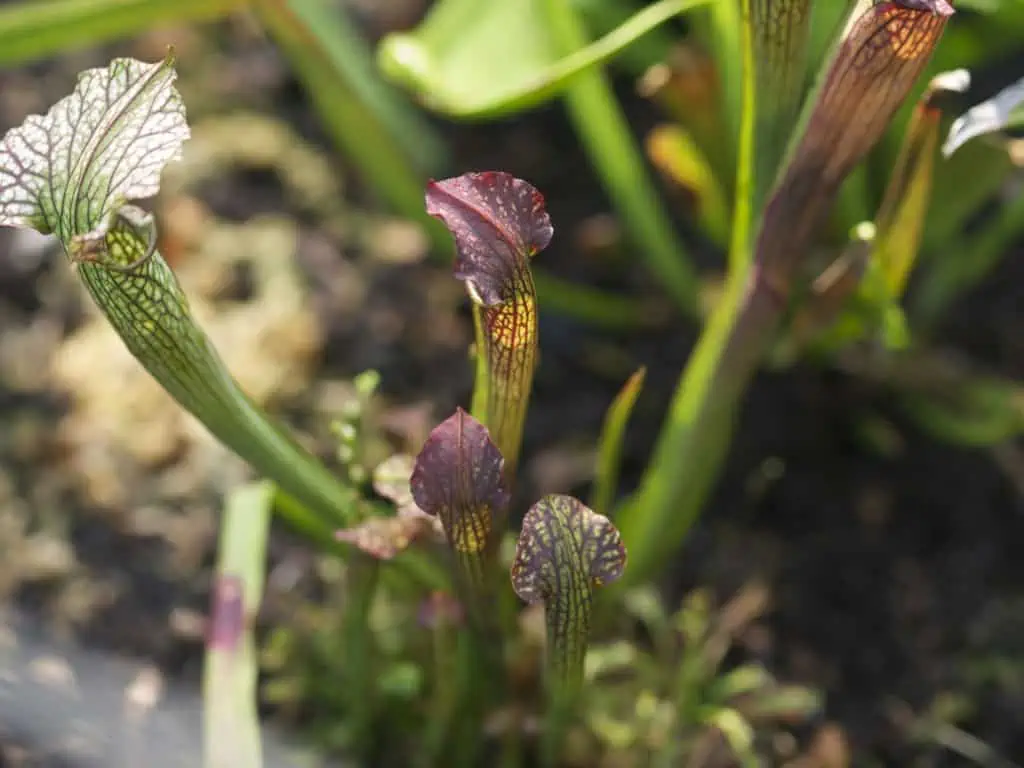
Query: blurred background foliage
(870,620)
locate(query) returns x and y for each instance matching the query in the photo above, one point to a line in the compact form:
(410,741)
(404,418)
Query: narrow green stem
(361,589)
(469,679)
(567,617)
(481,659)
(474,695)
(150,313)
(609,445)
(696,434)
(476,582)
(482,378)
(775,35)
(605,134)
(231,727)
(725,30)
(698,430)
(445,694)
(748,204)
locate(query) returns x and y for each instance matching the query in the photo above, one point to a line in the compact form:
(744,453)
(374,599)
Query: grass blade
(351,59)
(361,134)
(604,131)
(902,215)
(32,30)
(231,721)
(609,451)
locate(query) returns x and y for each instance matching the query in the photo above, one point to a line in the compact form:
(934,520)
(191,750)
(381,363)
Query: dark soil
(896,573)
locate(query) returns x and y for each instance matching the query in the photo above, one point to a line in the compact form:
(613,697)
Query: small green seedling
(499,224)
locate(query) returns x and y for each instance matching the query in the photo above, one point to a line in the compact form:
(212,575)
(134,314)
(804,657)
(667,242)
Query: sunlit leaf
(882,53)
(472,60)
(565,550)
(1002,112)
(738,733)
(498,222)
(102,146)
(383,140)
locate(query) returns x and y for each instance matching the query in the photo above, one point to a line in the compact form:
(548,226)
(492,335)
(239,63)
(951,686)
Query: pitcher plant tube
(459,478)
(73,173)
(779,35)
(881,54)
(565,550)
(499,223)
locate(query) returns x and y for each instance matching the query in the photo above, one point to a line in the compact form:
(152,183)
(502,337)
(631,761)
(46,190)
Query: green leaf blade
(473,62)
(33,29)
